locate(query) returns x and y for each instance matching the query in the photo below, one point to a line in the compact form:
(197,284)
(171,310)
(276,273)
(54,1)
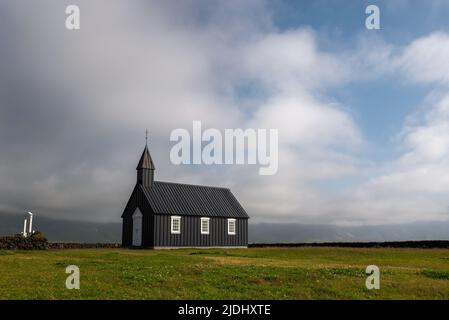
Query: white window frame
(232,233)
(208,225)
(173,218)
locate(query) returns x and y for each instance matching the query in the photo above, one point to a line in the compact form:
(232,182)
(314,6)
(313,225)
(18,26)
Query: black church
(174,215)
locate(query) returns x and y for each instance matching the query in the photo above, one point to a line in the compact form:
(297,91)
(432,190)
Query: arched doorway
(137,228)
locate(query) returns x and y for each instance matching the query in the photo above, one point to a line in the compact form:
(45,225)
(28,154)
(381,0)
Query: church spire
(146,137)
(145,168)
(145,161)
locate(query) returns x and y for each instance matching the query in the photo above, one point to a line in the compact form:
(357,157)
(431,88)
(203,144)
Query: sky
(363,115)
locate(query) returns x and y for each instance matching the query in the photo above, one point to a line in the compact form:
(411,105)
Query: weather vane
(146,137)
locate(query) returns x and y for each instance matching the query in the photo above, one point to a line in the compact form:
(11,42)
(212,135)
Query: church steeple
(145,168)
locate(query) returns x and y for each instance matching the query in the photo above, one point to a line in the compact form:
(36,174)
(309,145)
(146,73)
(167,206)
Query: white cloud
(290,60)
(412,187)
(415,185)
(307,122)
(425,59)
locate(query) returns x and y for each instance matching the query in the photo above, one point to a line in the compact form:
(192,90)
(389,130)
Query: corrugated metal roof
(187,199)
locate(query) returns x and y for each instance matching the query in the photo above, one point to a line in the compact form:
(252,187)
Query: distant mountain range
(273,232)
(79,231)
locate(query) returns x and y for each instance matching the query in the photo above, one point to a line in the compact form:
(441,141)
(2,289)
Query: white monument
(28,219)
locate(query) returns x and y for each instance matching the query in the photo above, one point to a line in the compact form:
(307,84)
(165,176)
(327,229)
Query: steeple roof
(145,160)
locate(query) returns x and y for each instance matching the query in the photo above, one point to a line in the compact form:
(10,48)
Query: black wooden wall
(191,236)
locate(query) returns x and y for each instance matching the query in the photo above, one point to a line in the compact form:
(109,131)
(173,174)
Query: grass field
(258,273)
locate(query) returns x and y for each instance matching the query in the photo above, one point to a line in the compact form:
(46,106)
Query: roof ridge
(193,185)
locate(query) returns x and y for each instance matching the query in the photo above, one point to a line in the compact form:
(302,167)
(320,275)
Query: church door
(137,228)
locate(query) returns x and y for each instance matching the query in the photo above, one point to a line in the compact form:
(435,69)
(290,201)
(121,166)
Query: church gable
(137,200)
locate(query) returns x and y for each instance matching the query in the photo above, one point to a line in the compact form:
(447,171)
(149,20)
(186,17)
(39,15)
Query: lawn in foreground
(256,273)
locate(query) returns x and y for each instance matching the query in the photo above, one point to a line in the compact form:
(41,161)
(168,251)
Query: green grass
(436,274)
(257,273)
